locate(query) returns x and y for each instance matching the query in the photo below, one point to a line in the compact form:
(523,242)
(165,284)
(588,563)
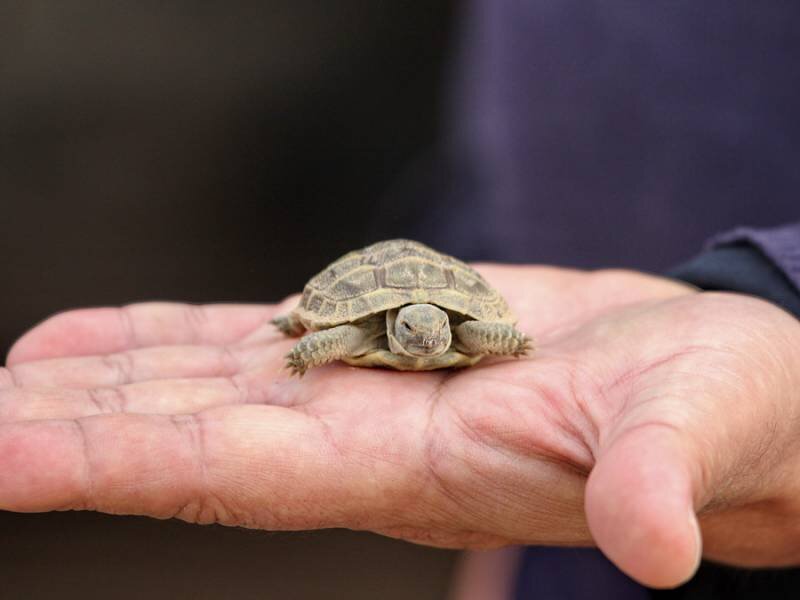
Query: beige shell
(391,274)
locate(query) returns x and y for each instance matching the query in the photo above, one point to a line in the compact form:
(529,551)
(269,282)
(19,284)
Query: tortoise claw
(525,346)
(295,364)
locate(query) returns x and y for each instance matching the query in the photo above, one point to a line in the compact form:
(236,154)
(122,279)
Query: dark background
(203,152)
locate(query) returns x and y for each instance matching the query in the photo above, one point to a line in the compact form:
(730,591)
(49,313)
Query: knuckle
(7,378)
(88,499)
(192,429)
(128,323)
(110,400)
(207,510)
(122,365)
(196,318)
(229,361)
(202,505)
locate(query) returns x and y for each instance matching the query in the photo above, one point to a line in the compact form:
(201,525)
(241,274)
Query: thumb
(640,505)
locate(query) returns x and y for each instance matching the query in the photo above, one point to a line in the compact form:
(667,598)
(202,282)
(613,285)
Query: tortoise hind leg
(482,337)
(288,325)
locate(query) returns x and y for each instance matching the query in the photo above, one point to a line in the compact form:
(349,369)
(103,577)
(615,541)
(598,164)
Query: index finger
(261,466)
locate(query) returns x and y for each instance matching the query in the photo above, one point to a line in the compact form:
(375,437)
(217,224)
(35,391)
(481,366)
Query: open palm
(181,411)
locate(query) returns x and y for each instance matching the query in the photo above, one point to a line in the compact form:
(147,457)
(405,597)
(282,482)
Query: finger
(546,298)
(6,378)
(169,396)
(257,466)
(133,366)
(107,330)
(640,506)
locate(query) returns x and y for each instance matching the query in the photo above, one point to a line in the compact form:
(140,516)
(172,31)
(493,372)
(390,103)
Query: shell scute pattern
(312,301)
(472,286)
(393,273)
(357,283)
(415,273)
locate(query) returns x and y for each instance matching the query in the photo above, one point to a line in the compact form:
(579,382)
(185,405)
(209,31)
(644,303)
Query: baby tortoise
(400,304)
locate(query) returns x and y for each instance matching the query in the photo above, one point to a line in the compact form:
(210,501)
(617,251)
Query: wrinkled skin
(645,404)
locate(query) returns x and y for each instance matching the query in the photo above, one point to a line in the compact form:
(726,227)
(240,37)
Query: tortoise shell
(391,274)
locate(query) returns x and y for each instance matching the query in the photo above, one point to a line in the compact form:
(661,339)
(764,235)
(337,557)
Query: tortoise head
(423,330)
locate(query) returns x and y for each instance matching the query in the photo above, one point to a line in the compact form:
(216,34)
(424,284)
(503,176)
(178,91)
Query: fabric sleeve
(781,245)
(760,262)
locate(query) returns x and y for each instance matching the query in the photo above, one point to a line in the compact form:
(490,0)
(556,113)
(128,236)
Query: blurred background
(203,152)
(210,152)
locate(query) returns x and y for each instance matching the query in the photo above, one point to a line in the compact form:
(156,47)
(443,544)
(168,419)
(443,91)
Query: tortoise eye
(407,326)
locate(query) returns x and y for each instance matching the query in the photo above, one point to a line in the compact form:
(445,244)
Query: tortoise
(400,304)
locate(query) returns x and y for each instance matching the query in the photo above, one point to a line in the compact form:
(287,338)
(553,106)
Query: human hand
(670,401)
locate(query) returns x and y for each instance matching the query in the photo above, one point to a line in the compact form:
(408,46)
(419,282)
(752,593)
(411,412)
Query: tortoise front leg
(322,347)
(482,337)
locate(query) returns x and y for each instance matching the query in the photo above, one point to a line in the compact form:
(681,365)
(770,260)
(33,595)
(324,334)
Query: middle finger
(170,396)
(148,364)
